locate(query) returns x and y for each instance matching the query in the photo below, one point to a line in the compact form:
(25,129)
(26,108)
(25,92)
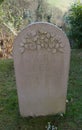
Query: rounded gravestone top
(42,36)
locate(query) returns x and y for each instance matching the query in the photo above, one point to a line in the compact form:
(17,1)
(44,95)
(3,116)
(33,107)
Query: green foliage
(15,15)
(74,21)
(1,1)
(11,15)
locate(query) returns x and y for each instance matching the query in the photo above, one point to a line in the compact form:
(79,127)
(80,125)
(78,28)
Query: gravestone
(41,60)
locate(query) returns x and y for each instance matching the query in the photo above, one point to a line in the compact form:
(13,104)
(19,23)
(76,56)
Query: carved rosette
(42,40)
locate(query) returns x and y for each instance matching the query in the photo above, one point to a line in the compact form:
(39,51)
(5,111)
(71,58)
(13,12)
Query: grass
(10,118)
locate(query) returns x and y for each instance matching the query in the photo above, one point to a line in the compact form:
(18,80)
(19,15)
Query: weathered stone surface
(41,60)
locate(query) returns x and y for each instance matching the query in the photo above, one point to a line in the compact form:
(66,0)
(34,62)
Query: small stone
(54,51)
(67,101)
(61,115)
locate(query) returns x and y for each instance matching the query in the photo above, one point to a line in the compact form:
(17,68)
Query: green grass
(10,118)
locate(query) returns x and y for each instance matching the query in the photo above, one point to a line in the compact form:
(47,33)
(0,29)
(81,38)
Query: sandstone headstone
(41,60)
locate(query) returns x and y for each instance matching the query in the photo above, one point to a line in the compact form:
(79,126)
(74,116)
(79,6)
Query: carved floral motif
(41,40)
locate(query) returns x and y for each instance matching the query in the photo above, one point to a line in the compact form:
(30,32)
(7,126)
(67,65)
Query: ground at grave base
(10,118)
